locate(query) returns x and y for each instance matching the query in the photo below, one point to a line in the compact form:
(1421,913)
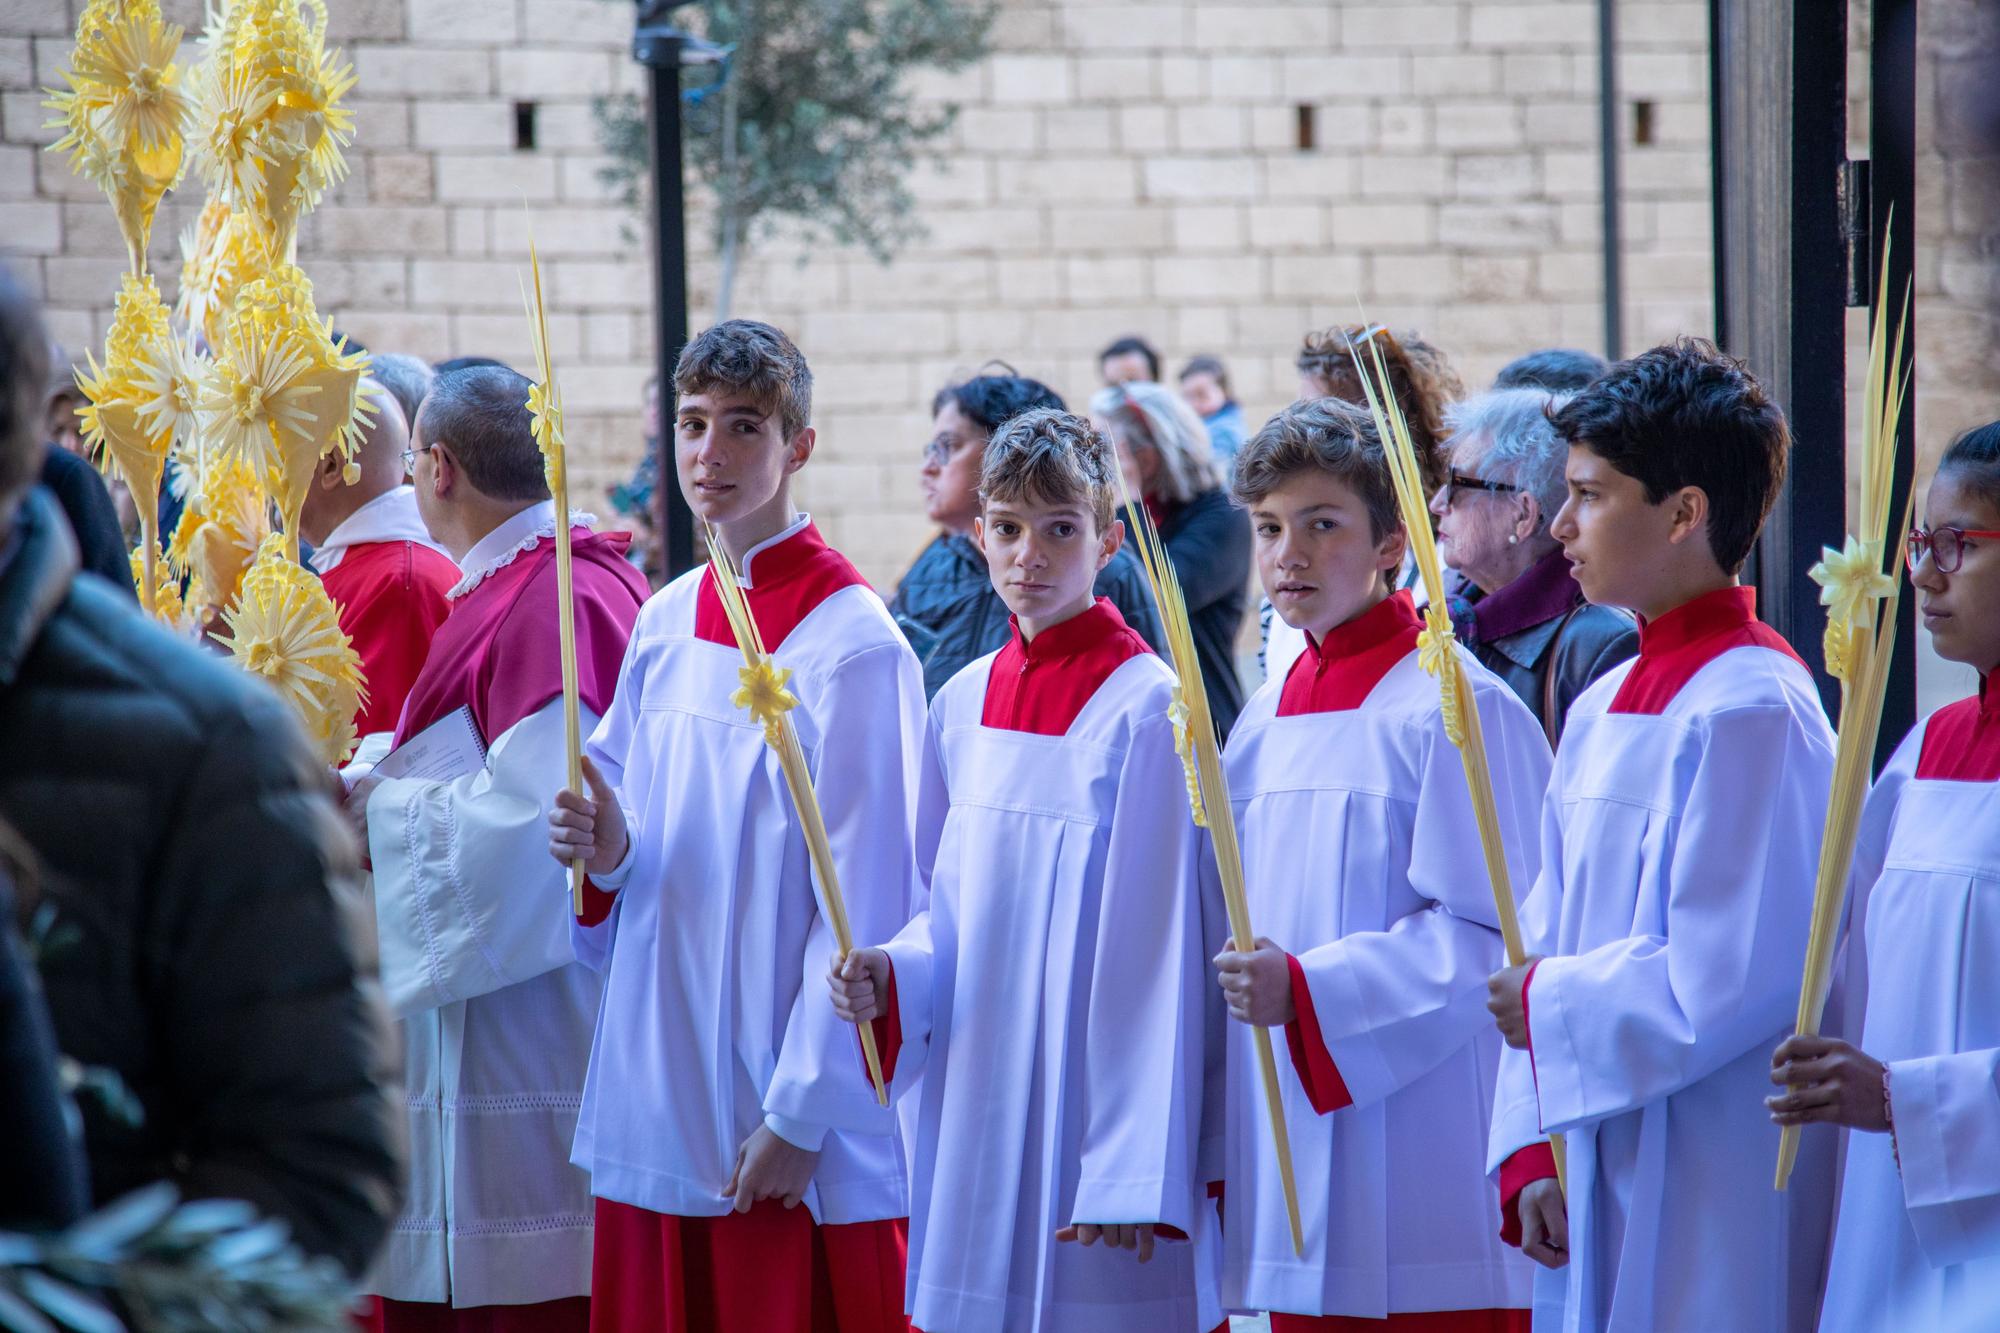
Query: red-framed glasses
(1945,545)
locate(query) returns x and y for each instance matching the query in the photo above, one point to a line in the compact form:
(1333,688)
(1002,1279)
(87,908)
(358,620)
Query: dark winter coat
(187,840)
(948,610)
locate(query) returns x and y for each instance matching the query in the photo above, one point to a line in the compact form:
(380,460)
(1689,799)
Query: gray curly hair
(1142,415)
(1509,432)
(1052,456)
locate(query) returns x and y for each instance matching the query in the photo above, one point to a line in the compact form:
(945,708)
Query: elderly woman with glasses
(1163,450)
(1521,613)
(946,605)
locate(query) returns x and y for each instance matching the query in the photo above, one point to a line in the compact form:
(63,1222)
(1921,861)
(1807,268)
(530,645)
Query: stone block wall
(1118,167)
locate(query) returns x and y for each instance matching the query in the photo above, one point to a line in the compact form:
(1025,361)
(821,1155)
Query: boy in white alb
(1916,1244)
(1051,994)
(1680,841)
(720,1096)
(1361,853)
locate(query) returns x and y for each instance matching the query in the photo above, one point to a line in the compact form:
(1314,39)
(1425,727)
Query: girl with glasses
(1917,1244)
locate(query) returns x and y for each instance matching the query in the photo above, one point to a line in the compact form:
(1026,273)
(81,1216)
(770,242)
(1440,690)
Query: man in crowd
(379,564)
(497,1014)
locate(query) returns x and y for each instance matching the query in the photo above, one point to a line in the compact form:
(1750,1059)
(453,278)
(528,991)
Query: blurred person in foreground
(68,476)
(203,879)
(945,604)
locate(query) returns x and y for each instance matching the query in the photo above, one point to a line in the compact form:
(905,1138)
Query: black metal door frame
(1793,219)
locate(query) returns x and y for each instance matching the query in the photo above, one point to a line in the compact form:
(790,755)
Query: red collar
(1342,670)
(1673,648)
(1039,685)
(791,578)
(1962,740)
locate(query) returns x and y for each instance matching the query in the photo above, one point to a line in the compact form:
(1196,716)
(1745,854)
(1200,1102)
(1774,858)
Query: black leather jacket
(1550,664)
(948,610)
(186,839)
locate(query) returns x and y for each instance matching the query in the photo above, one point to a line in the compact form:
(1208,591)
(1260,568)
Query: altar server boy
(1051,995)
(1362,857)
(720,1096)
(1680,841)
(1917,1240)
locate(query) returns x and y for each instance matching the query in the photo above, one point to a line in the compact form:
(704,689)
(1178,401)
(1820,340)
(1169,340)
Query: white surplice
(716,1015)
(1362,858)
(1918,1246)
(1055,1003)
(1679,853)
(496,1019)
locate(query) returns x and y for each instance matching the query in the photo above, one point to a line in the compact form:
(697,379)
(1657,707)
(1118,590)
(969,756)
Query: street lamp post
(663,49)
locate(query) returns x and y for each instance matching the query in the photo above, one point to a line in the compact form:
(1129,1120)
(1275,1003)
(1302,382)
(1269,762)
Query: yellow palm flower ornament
(124,114)
(286,629)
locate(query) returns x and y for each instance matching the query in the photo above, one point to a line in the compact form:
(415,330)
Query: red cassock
(391,597)
(769,1268)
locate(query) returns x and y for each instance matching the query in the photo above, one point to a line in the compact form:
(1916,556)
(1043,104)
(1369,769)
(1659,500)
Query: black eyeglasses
(1458,481)
(1945,545)
(938,451)
(410,458)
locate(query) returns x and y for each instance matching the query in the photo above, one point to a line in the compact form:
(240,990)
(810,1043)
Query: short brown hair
(1419,375)
(743,356)
(1328,435)
(1051,456)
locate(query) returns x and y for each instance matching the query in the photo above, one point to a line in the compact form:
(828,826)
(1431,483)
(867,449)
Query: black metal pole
(1718,220)
(659,49)
(1892,140)
(1608,133)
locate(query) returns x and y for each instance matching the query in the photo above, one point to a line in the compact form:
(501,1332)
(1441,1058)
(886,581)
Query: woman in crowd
(1163,450)
(1424,384)
(1520,612)
(946,604)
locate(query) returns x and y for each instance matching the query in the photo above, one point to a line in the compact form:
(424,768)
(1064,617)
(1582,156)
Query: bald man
(378,562)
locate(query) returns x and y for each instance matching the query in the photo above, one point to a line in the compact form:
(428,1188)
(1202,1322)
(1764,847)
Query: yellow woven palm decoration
(278,307)
(255,404)
(125,111)
(168,606)
(220,251)
(275,126)
(122,412)
(220,529)
(285,628)
(167,375)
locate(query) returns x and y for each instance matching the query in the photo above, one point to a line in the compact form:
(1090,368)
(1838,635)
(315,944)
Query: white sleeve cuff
(614,879)
(795,1132)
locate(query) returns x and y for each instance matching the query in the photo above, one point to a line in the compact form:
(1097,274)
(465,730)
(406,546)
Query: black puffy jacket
(187,842)
(951,615)
(1208,539)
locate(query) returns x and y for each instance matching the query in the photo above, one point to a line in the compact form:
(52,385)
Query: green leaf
(208,1217)
(17,1250)
(241,1249)
(17,1316)
(68,1306)
(103,1234)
